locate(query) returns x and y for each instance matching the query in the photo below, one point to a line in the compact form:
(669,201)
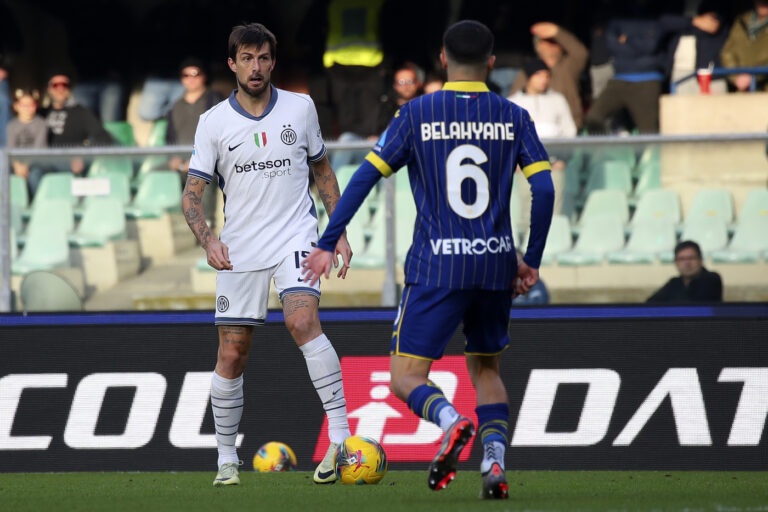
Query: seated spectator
(638,61)
(70,124)
(696,44)
(182,123)
(695,283)
(433,83)
(550,113)
(566,58)
(27,130)
(747,46)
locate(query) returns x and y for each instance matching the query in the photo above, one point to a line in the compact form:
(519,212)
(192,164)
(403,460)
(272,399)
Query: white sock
(492,452)
(227,405)
(325,371)
(447,417)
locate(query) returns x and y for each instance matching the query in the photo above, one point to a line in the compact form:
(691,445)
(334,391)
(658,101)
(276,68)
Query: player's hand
(345,251)
(544,30)
(316,264)
(218,255)
(526,278)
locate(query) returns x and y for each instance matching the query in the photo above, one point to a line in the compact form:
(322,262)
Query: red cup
(704,76)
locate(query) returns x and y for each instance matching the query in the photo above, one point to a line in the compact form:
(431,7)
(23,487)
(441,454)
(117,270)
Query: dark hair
(468,42)
(193,62)
(252,34)
(688,244)
(20,93)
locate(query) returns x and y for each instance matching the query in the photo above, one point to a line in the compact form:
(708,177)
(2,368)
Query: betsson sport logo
(375,412)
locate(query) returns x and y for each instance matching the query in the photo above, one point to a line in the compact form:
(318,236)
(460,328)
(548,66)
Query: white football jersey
(263,168)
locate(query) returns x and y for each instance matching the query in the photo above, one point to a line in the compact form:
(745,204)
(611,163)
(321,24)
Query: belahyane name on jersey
(466,130)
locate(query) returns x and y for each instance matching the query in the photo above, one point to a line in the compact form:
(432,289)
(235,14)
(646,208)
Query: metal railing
(389,290)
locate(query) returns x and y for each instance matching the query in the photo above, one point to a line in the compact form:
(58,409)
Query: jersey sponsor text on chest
(273,168)
(460,246)
(466,130)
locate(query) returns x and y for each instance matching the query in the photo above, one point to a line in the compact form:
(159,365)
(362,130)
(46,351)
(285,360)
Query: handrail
(757,70)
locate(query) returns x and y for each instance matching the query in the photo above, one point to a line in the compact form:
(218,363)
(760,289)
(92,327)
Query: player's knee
(232,359)
(303,327)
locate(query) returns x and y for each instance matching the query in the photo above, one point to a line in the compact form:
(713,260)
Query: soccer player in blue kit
(461,146)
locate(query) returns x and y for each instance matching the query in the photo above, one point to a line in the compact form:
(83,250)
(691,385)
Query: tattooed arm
(328,188)
(191,204)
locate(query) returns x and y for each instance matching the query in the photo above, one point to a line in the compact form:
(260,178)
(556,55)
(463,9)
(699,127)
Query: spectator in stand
(182,123)
(638,60)
(566,58)
(5,105)
(433,83)
(696,44)
(550,114)
(407,83)
(27,130)
(747,46)
(70,124)
(695,283)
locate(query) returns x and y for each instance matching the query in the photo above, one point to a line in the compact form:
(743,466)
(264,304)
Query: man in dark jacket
(695,283)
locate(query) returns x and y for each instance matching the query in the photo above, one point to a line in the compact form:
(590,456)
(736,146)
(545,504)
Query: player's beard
(254,92)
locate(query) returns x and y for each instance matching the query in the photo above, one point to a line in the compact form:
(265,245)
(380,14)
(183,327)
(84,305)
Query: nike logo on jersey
(234,148)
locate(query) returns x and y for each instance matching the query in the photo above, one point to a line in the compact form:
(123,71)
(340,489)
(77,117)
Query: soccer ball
(360,460)
(274,456)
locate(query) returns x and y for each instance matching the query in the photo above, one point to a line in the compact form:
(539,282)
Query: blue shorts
(428,317)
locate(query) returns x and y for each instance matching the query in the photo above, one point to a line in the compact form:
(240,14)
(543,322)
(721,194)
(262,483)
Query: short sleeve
(532,157)
(393,148)
(204,153)
(315,145)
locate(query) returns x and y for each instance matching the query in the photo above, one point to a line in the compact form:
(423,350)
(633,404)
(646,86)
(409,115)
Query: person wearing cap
(566,58)
(183,117)
(550,113)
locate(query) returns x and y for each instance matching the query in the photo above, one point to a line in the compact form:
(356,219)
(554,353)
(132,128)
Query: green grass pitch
(399,491)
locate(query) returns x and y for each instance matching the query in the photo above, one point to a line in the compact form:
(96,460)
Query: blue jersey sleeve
(393,148)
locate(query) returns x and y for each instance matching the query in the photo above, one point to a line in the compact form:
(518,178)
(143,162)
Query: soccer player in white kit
(261,143)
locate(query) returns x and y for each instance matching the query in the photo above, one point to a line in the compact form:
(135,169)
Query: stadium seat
(103,220)
(402,180)
(57,185)
(116,165)
(203,266)
(756,204)
(605,203)
(711,203)
(344,174)
(559,240)
(649,238)
(598,236)
(121,131)
(17,219)
(19,192)
(749,241)
(159,192)
(648,178)
(119,188)
(46,248)
(658,204)
(711,233)
(610,175)
(405,218)
(13,245)
(614,153)
(53,214)
(359,231)
(157,134)
(45,291)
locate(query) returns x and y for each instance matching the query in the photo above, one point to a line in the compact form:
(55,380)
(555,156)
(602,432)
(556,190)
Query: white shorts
(242,297)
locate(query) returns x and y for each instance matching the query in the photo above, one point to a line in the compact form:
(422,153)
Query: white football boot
(326,470)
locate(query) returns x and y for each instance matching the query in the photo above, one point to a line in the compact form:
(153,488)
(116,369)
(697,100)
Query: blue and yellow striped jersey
(461,146)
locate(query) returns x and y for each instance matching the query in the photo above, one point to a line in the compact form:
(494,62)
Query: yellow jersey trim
(380,164)
(466,86)
(414,356)
(400,322)
(489,355)
(530,170)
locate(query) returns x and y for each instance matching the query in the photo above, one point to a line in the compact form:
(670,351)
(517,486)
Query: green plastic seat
(649,238)
(157,134)
(344,174)
(624,154)
(402,180)
(605,203)
(159,192)
(119,188)
(17,218)
(756,204)
(57,185)
(405,219)
(19,192)
(121,131)
(103,220)
(711,203)
(203,266)
(598,236)
(559,240)
(648,178)
(14,245)
(711,233)
(610,175)
(150,163)
(55,214)
(375,233)
(45,291)
(46,248)
(111,165)
(658,204)
(358,233)
(749,241)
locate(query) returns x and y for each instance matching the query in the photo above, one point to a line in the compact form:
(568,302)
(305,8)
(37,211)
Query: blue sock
(429,402)
(493,430)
